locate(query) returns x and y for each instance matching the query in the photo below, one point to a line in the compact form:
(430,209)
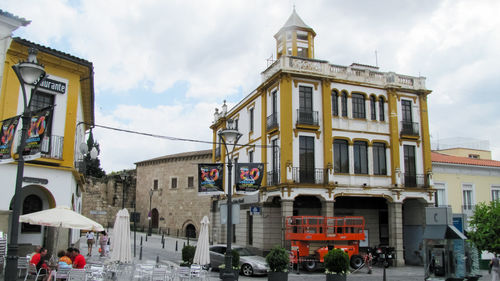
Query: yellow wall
(482,187)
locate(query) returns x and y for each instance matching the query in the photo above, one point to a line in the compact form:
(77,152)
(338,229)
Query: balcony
(414,180)
(314,176)
(409,128)
(272,122)
(273,177)
(468,210)
(307,117)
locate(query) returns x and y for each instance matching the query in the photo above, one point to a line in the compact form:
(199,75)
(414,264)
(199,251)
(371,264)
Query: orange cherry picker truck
(312,236)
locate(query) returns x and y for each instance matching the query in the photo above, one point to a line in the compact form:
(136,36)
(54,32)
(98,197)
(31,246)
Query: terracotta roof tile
(443,158)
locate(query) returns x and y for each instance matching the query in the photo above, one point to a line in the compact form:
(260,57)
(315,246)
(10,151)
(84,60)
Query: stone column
(286,211)
(327,210)
(396,231)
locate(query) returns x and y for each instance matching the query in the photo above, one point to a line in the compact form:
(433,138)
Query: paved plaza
(152,250)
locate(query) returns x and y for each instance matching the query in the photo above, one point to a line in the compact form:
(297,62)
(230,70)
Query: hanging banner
(248,177)
(37,130)
(7,133)
(210,179)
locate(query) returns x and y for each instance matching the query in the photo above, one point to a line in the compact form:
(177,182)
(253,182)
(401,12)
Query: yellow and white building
(53,179)
(336,141)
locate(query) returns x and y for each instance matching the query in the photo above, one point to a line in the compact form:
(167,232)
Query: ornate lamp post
(30,73)
(230,137)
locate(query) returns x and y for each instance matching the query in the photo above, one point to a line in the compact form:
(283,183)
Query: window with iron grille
(358,106)
(335,103)
(343,98)
(155,184)
(381,110)
(341,156)
(373,108)
(379,161)
(174,183)
(190,182)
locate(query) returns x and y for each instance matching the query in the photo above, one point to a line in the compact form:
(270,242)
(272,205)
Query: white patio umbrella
(202,253)
(120,238)
(61,217)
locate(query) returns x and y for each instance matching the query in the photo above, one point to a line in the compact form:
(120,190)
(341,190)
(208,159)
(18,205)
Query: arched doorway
(307,205)
(154,218)
(190,231)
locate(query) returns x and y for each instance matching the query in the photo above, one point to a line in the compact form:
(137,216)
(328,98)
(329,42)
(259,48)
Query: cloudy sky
(162,67)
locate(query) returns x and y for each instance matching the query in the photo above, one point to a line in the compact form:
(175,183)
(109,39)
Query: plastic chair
(62,273)
(22,264)
(77,275)
(33,272)
(195,270)
(183,272)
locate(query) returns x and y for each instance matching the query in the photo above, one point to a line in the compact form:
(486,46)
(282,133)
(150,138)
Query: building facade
(465,177)
(335,141)
(53,179)
(167,189)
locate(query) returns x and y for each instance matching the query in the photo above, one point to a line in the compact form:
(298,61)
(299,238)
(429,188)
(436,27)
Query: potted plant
(336,265)
(188,255)
(278,260)
(235,260)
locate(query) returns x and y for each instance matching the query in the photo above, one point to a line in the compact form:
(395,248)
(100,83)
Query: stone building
(168,188)
(103,198)
(335,141)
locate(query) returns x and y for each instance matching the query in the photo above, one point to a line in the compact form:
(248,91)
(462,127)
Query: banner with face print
(210,179)
(7,132)
(248,177)
(38,129)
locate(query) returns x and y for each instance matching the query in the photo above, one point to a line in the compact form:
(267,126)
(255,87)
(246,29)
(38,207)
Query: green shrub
(188,255)
(278,259)
(336,261)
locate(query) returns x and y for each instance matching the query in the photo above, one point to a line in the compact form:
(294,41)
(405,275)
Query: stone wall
(102,198)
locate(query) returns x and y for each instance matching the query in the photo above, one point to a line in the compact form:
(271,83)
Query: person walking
(90,242)
(495,268)
(103,241)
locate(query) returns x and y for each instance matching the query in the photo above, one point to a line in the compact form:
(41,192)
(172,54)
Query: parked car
(250,264)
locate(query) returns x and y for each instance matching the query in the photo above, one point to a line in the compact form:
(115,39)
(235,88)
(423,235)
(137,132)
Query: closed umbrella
(202,253)
(120,238)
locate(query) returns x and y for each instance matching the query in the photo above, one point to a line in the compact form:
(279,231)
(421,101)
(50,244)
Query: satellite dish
(83,148)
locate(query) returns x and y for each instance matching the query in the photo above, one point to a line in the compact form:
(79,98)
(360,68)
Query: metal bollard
(146,238)
(157,261)
(140,250)
(384,277)
(176,248)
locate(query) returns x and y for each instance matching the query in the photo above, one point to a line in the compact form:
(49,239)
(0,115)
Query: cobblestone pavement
(171,255)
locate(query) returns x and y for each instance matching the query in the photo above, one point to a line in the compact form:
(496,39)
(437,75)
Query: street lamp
(30,73)
(230,137)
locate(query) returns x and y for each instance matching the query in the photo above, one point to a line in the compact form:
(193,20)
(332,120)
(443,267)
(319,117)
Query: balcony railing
(273,177)
(468,209)
(315,176)
(414,180)
(217,152)
(307,117)
(272,121)
(409,128)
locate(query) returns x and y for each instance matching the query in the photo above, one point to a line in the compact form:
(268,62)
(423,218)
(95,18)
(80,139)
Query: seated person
(39,262)
(78,259)
(64,261)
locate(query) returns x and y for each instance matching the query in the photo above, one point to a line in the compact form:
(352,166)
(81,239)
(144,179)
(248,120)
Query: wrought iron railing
(307,117)
(414,180)
(272,121)
(409,128)
(52,147)
(315,175)
(273,177)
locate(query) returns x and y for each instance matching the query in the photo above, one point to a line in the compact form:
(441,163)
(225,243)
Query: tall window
(174,183)
(440,194)
(360,157)
(495,193)
(190,182)
(236,123)
(467,196)
(250,156)
(335,103)
(373,108)
(406,108)
(274,96)
(41,100)
(358,106)
(410,166)
(343,100)
(155,184)
(381,109)
(32,203)
(251,119)
(306,158)
(379,162)
(341,156)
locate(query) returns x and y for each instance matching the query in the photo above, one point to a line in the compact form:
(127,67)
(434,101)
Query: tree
(93,166)
(485,226)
